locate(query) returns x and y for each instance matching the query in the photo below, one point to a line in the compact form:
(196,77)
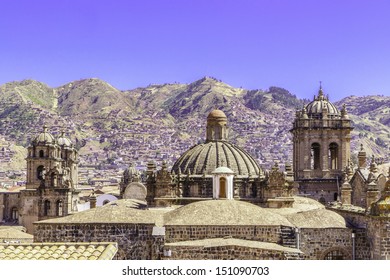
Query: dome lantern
(216,126)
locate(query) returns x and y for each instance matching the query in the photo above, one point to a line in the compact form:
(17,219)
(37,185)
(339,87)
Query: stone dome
(44,137)
(205,158)
(224,212)
(62,140)
(216,114)
(315,108)
(317,218)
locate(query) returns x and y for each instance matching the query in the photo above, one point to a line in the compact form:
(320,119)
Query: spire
(304,113)
(362,157)
(373,166)
(320,92)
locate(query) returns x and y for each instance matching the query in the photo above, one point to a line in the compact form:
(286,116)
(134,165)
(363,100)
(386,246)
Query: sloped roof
(8,233)
(221,242)
(118,211)
(59,251)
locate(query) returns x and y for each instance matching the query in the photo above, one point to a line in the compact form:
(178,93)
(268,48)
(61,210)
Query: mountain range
(101,119)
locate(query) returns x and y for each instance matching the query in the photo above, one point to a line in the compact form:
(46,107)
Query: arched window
(315,156)
(41,172)
(222,187)
(53,180)
(46,208)
(41,153)
(322,200)
(335,196)
(334,255)
(14,214)
(60,208)
(333,155)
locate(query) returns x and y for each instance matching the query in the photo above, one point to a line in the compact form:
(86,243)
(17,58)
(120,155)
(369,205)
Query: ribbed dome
(205,158)
(44,137)
(315,108)
(62,140)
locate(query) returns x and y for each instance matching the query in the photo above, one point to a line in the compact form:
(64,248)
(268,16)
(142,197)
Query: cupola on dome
(216,152)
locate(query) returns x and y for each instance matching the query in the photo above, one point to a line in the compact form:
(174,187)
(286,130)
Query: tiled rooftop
(58,251)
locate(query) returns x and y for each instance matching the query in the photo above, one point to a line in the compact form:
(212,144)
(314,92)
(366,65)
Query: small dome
(316,108)
(44,137)
(317,218)
(216,114)
(205,158)
(62,140)
(224,212)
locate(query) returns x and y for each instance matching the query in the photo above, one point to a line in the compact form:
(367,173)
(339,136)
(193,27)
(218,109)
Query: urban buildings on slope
(216,202)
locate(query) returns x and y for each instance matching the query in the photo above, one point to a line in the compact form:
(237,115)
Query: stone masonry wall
(135,241)
(317,242)
(258,233)
(369,234)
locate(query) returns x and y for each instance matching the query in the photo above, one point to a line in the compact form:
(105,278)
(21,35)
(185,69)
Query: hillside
(159,122)
(371,117)
(90,97)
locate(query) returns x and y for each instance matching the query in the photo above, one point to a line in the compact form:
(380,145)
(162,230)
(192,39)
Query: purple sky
(253,44)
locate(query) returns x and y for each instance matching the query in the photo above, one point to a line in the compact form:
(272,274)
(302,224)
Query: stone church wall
(365,231)
(258,233)
(316,242)
(135,241)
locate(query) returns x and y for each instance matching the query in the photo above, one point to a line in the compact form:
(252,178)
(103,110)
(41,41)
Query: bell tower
(321,148)
(51,183)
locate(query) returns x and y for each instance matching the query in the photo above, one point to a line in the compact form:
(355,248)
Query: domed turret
(62,140)
(321,107)
(44,137)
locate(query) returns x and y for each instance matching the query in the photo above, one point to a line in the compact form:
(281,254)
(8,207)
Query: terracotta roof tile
(57,251)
